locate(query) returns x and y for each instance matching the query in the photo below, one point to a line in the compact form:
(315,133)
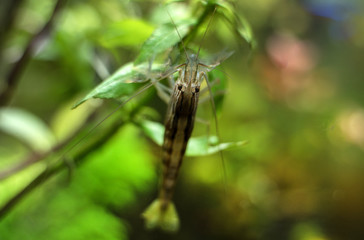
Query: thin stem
(35,157)
(12,80)
(78,159)
(7,19)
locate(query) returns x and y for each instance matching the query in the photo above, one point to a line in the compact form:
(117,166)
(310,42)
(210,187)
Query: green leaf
(204,145)
(245,30)
(124,82)
(128,32)
(27,128)
(197,146)
(163,38)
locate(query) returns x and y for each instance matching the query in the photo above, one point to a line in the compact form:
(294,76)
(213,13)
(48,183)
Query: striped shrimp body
(178,128)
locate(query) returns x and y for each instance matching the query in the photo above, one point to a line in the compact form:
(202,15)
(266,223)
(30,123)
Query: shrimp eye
(180,87)
(197,89)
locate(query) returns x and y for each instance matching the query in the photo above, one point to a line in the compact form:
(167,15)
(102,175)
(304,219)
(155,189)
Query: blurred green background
(294,92)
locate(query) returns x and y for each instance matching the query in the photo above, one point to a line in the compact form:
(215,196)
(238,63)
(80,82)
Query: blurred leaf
(245,30)
(238,22)
(197,146)
(153,130)
(87,220)
(163,38)
(27,128)
(129,32)
(171,1)
(64,214)
(65,122)
(203,145)
(124,82)
(80,20)
(114,173)
(75,68)
(218,87)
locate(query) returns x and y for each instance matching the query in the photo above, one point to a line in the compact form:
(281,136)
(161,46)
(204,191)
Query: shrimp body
(178,128)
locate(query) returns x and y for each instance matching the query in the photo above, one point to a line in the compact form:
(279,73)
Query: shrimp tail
(164,218)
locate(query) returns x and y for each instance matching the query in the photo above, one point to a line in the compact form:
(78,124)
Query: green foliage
(299,103)
(113,176)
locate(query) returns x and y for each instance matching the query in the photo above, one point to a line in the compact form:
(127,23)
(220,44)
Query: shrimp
(179,124)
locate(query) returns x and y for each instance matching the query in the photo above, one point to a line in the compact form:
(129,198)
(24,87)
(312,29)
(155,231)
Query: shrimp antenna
(223,165)
(179,35)
(204,34)
(214,107)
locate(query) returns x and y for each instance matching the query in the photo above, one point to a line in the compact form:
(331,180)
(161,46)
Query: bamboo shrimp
(179,124)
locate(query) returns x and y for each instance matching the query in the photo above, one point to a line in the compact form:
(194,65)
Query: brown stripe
(167,147)
(176,118)
(190,124)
